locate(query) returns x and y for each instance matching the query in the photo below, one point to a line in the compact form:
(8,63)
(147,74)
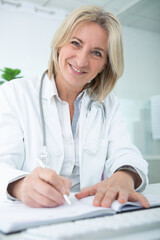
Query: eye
(75,43)
(97,53)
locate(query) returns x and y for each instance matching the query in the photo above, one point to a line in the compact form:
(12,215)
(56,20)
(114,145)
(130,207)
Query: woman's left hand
(119,186)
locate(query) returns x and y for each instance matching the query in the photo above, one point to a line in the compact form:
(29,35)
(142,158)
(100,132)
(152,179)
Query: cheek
(64,55)
(97,68)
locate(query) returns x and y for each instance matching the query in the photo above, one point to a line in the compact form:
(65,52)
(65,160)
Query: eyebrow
(96,48)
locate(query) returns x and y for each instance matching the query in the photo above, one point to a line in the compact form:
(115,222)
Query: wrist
(14,188)
(135,177)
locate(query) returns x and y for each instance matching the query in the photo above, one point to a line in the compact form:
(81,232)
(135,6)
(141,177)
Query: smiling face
(82,57)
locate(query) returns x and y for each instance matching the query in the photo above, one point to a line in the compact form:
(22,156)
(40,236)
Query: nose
(82,58)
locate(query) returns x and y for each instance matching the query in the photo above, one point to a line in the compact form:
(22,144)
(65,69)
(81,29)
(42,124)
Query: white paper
(15,216)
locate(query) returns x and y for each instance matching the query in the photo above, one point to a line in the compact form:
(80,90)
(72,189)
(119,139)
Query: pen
(43,166)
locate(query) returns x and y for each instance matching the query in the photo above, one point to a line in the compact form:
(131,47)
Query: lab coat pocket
(93,130)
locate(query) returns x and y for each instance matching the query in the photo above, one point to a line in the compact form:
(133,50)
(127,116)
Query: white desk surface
(152,188)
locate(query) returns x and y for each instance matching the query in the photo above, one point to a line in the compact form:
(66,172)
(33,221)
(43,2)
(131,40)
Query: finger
(122,196)
(44,201)
(31,203)
(109,197)
(35,194)
(67,184)
(52,178)
(39,201)
(85,192)
(42,187)
(138,197)
(98,198)
(48,191)
(27,198)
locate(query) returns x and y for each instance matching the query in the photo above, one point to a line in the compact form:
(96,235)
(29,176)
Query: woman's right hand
(41,188)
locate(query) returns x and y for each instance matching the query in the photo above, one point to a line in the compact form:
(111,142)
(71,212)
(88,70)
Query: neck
(67,92)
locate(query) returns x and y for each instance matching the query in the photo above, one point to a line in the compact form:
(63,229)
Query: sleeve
(12,151)
(121,150)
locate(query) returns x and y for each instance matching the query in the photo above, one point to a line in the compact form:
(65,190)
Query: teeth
(76,69)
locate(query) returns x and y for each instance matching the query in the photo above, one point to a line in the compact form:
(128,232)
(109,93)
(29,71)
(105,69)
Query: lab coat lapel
(52,124)
(82,121)
(91,134)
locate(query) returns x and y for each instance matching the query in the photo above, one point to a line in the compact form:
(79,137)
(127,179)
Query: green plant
(8,74)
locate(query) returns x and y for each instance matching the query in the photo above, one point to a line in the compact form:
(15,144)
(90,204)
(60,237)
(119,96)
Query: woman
(89,148)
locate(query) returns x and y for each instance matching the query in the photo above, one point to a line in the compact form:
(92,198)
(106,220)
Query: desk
(152,189)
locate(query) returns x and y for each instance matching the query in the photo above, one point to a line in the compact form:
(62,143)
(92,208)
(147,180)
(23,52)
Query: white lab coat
(104,146)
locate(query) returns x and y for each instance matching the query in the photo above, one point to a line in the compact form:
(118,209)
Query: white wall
(140,81)
(141,77)
(25,39)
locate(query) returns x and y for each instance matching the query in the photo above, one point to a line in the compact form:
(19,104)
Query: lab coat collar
(49,90)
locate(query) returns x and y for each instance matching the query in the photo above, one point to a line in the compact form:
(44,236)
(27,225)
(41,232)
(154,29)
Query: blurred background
(26,31)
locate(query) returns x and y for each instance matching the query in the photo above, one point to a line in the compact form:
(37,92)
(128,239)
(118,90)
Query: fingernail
(147,205)
(63,190)
(122,200)
(106,203)
(68,192)
(96,202)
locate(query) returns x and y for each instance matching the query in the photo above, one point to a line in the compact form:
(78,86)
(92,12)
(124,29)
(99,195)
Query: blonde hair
(104,82)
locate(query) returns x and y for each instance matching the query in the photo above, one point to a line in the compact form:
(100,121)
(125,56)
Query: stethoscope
(92,102)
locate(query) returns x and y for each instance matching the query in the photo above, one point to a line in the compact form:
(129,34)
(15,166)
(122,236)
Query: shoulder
(17,93)
(20,87)
(112,105)
(21,83)
(111,100)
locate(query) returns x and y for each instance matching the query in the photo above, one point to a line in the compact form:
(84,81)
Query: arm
(119,186)
(122,153)
(41,187)
(11,141)
(120,183)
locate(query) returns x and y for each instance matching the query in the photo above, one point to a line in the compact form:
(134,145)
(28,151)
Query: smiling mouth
(75,69)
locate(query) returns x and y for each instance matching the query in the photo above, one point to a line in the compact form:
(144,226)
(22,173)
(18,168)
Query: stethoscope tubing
(44,148)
